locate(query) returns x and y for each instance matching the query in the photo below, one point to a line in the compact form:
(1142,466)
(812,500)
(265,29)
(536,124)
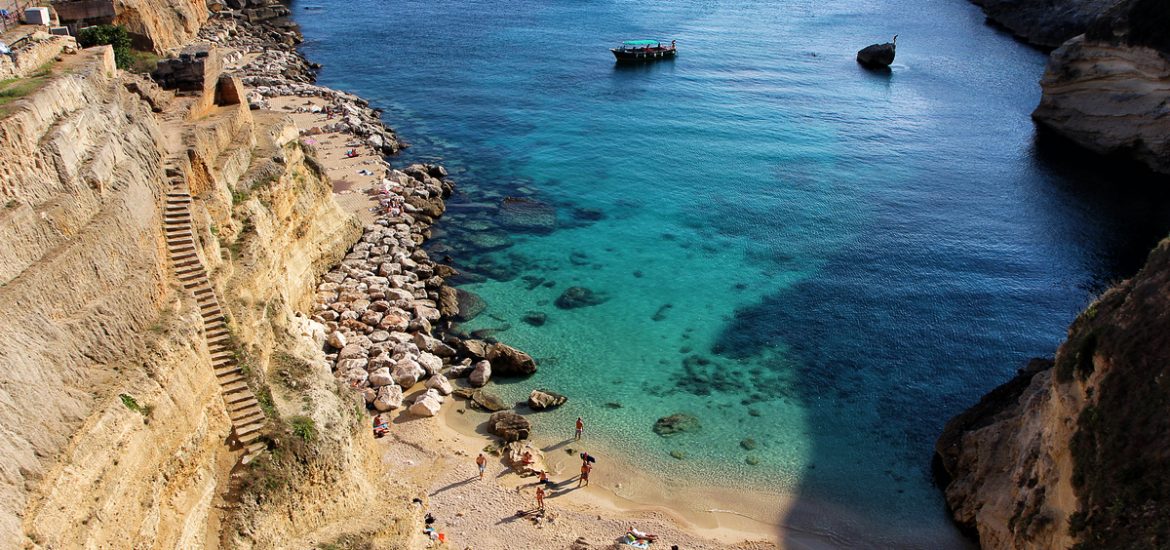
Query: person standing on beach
(540,498)
(580,429)
(481,462)
(585,468)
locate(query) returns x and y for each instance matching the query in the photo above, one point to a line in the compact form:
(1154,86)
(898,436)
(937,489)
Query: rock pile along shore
(376,313)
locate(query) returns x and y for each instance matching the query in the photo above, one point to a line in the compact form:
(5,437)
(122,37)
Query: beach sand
(350,188)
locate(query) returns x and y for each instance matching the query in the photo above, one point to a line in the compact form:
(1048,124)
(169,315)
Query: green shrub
(304,428)
(112,35)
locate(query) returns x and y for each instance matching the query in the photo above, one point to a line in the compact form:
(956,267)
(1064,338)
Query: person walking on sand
(580,429)
(540,498)
(585,468)
(481,462)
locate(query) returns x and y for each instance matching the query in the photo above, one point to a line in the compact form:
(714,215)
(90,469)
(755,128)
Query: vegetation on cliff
(1121,449)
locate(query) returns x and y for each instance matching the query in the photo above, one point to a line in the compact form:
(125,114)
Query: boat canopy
(641,42)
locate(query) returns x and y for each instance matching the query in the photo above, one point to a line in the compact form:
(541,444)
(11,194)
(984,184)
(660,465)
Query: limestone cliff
(1076,453)
(1109,90)
(1045,23)
(115,428)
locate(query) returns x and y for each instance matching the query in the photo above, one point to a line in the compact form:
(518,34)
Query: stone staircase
(248,419)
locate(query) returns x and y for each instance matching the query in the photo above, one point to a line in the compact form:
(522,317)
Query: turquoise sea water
(829,261)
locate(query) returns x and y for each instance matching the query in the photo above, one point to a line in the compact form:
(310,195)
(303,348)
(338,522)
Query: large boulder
(877,55)
(579,296)
(430,363)
(381,377)
(488,401)
(470,305)
(439,383)
(407,373)
(336,339)
(449,302)
(675,424)
(388,398)
(540,400)
(509,361)
(509,425)
(427,404)
(482,373)
(477,349)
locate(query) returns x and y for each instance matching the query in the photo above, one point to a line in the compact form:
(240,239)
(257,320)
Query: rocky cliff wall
(115,432)
(161,25)
(1107,90)
(1076,453)
(111,436)
(1045,23)
(1111,99)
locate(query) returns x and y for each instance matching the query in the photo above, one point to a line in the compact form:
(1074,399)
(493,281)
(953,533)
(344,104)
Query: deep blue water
(829,261)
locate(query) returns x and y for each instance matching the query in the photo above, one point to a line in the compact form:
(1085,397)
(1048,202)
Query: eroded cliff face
(1109,90)
(1045,23)
(109,438)
(1076,453)
(161,25)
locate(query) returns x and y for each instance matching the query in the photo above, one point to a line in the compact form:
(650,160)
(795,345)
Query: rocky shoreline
(383,315)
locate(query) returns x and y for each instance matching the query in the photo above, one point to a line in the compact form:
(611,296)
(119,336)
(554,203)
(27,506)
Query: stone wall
(33,54)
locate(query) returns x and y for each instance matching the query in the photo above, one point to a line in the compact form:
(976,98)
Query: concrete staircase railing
(248,420)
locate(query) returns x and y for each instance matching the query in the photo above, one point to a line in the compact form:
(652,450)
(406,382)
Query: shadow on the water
(902,329)
(627,68)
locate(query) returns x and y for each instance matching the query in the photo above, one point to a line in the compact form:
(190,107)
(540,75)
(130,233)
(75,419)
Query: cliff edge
(1076,453)
(1045,23)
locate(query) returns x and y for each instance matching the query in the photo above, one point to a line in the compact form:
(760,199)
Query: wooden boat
(638,51)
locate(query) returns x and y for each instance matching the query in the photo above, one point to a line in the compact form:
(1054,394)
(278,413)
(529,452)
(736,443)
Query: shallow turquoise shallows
(829,261)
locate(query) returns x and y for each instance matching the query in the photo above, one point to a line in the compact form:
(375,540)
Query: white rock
(425,405)
(430,362)
(337,339)
(381,377)
(482,373)
(407,373)
(389,398)
(440,384)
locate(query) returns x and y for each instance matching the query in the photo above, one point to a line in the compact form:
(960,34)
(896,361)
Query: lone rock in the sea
(509,425)
(878,55)
(675,424)
(579,296)
(541,400)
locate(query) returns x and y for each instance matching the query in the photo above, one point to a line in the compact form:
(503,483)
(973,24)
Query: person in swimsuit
(540,498)
(585,468)
(481,462)
(580,428)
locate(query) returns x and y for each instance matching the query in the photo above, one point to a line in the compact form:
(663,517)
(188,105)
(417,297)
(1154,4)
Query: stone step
(244,404)
(230,368)
(245,409)
(253,415)
(225,354)
(203,289)
(236,387)
(180,239)
(207,303)
(218,339)
(213,314)
(249,428)
(253,451)
(249,437)
(237,397)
